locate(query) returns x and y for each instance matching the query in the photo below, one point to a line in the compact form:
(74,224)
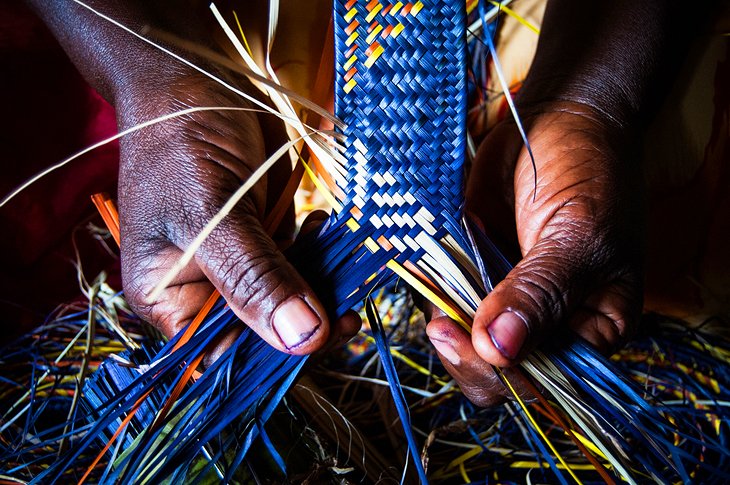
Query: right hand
(579,229)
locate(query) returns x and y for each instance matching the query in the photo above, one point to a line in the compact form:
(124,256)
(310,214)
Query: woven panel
(400,89)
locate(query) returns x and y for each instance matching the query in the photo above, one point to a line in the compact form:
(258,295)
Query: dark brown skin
(581,241)
(175,176)
(577,225)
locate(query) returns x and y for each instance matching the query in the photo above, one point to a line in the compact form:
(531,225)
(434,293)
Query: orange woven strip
(177,390)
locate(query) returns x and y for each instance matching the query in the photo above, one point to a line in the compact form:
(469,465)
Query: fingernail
(447,350)
(508,332)
(295,322)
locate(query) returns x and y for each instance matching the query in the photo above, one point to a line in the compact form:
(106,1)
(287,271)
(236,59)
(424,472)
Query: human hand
(175,175)
(579,236)
(173,178)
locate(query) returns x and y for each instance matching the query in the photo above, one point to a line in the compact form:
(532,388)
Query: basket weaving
(400,84)
(401,97)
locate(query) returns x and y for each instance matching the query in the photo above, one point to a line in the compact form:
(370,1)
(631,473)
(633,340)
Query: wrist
(539,115)
(605,55)
(115,62)
(597,98)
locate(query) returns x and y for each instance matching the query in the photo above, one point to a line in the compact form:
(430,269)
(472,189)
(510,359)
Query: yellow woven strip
(396,8)
(427,293)
(416,8)
(348,87)
(349,15)
(373,34)
(371,244)
(336,206)
(397,30)
(537,428)
(374,12)
(351,39)
(516,16)
(350,62)
(374,56)
(352,224)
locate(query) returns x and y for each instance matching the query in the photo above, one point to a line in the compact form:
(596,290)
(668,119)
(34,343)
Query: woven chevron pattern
(400,89)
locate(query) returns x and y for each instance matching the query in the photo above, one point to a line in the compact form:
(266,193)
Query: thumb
(538,294)
(262,287)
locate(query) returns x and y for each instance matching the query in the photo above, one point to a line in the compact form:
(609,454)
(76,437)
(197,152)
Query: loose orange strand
(323,94)
(187,375)
(108,211)
(323,91)
(561,422)
(110,215)
(415,271)
(116,434)
(326,177)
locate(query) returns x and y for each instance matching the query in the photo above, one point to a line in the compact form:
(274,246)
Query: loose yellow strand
(516,16)
(328,196)
(427,293)
(462,472)
(537,428)
(588,444)
(471,5)
(534,464)
(459,461)
(243,36)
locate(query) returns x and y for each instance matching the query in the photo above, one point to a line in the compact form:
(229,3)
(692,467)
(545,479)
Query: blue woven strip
(400,89)
(406,112)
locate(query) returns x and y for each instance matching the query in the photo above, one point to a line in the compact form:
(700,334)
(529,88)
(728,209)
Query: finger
(262,287)
(476,378)
(430,311)
(544,289)
(609,315)
(313,221)
(343,330)
(144,261)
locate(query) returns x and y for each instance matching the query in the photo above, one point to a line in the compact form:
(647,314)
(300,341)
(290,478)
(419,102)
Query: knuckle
(166,314)
(542,290)
(253,278)
(135,288)
(138,280)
